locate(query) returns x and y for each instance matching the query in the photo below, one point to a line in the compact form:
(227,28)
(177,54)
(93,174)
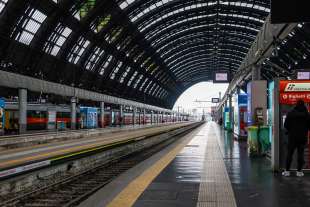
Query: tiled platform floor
(199,177)
(196,177)
(253,182)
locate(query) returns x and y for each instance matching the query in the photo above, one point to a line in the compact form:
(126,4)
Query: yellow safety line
(128,196)
(55,153)
(91,150)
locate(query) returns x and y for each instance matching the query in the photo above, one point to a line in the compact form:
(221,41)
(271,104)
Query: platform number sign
(2,104)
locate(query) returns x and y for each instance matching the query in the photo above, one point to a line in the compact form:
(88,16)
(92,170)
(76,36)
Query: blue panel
(249,111)
(242,99)
(2,104)
(89,117)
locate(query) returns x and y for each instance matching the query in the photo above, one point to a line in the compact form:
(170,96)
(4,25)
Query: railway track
(73,190)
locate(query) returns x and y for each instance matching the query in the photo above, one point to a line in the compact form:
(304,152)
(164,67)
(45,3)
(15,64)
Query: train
(87,117)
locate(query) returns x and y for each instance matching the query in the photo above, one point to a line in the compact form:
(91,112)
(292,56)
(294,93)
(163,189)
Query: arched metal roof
(144,50)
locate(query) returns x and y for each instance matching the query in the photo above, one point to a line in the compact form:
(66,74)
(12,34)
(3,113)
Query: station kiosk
(286,93)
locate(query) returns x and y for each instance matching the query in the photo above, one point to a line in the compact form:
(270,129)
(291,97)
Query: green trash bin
(263,137)
(228,126)
(253,145)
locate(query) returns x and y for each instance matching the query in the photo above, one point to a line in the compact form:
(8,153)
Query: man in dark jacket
(297,124)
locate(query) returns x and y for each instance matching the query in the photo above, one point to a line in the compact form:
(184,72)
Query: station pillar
(102,114)
(73,113)
(257,97)
(157,117)
(134,112)
(144,122)
(22,102)
(121,115)
(256,72)
(231,114)
(162,117)
(152,115)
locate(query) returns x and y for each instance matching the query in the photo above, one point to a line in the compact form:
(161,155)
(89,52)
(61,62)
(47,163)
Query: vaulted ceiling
(144,50)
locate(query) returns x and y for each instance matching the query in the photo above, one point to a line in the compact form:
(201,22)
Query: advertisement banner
(293,90)
(292,98)
(287,86)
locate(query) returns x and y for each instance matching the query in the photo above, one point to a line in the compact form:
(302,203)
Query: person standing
(297,123)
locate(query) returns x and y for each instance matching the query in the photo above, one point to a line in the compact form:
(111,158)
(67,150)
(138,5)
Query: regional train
(40,119)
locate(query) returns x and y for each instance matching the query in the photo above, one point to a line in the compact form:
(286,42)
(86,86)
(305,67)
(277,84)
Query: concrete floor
(179,184)
(254,183)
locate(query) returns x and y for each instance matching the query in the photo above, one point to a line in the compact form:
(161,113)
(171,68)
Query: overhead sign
(221,77)
(294,86)
(294,90)
(303,75)
(289,11)
(215,100)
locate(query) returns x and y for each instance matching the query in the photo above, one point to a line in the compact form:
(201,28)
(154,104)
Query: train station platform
(23,159)
(206,168)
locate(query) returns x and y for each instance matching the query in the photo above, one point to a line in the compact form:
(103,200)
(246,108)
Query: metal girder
(260,50)
(13,80)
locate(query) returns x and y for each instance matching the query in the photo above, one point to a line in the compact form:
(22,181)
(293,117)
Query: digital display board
(215,100)
(221,77)
(303,75)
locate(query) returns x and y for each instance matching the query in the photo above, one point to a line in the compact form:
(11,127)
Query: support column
(73,113)
(152,117)
(162,117)
(121,123)
(22,101)
(256,72)
(134,116)
(144,122)
(157,117)
(231,118)
(112,122)
(102,114)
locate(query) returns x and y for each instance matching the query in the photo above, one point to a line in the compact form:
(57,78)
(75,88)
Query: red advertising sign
(293,90)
